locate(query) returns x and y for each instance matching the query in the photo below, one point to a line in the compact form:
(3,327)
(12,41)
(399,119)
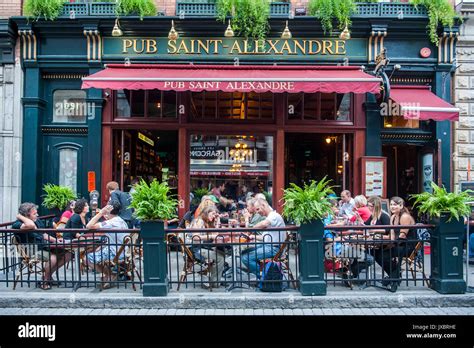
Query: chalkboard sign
(468,185)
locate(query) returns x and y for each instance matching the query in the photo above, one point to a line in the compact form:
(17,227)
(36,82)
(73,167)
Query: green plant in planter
(249,17)
(57,197)
(308,203)
(141,8)
(442,202)
(330,11)
(439,12)
(47,9)
(199,193)
(153,202)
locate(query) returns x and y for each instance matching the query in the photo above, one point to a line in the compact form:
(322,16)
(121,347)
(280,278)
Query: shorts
(103,254)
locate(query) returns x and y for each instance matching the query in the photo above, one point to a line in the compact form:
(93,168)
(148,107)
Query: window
(153,103)
(68,168)
(319,106)
(232,106)
(399,122)
(70,106)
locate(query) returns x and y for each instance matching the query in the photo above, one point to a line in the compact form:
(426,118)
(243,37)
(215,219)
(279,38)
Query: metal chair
(29,263)
(190,262)
(415,264)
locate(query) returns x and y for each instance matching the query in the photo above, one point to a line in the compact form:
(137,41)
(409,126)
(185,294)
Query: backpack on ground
(272,277)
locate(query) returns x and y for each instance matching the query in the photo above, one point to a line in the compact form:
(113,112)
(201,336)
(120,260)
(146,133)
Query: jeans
(251,257)
(471,245)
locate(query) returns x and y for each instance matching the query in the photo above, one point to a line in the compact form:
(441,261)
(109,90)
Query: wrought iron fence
(233,258)
(71,258)
(370,256)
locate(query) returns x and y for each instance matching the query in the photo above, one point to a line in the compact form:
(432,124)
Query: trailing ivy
(330,11)
(249,17)
(439,12)
(141,8)
(47,9)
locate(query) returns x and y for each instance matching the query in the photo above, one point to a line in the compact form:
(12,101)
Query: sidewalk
(335,299)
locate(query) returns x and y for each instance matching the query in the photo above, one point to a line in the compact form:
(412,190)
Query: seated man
(270,241)
(114,240)
(53,258)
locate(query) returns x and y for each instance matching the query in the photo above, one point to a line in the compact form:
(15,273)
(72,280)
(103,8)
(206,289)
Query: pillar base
(160,289)
(313,288)
(447,286)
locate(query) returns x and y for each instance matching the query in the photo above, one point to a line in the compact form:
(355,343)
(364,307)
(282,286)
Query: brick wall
(168,7)
(10,8)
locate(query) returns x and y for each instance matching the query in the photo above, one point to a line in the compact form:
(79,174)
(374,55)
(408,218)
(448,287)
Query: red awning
(229,78)
(418,102)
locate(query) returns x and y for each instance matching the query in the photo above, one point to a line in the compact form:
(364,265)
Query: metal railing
(43,258)
(360,256)
(232,258)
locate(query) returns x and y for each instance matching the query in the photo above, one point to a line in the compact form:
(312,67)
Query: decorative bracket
(376,38)
(446,47)
(29,44)
(94,44)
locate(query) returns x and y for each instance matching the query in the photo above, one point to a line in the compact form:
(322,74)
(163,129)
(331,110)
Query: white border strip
(434,109)
(237,79)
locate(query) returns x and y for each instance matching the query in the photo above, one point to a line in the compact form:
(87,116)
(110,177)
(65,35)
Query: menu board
(374,176)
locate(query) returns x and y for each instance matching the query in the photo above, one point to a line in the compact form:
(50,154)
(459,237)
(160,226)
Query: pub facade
(371,112)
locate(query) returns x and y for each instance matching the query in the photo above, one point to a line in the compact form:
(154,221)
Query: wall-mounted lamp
(116,31)
(345,34)
(286,32)
(329,139)
(173,34)
(229,32)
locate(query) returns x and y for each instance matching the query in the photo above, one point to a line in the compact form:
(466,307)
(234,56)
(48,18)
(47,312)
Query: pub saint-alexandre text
(238,46)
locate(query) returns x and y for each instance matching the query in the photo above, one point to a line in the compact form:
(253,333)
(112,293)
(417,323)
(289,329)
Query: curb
(206,301)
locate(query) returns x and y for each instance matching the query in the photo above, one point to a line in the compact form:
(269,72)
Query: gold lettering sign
(146,139)
(187,46)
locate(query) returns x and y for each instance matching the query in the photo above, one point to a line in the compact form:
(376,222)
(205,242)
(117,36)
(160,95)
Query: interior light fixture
(116,31)
(328,140)
(286,32)
(173,34)
(229,32)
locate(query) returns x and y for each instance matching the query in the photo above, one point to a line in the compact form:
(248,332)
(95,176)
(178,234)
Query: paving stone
(258,312)
(327,311)
(200,311)
(317,311)
(171,311)
(219,312)
(249,311)
(307,311)
(268,311)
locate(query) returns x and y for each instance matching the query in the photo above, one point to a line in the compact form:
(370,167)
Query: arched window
(68,168)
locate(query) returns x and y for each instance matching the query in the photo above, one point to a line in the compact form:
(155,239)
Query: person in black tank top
(405,241)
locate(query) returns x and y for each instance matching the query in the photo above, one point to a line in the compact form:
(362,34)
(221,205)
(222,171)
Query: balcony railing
(207,8)
(283,9)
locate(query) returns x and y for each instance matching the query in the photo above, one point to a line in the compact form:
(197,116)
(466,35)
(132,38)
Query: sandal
(44,285)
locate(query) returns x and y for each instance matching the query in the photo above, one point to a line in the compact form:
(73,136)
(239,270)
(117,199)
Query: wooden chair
(190,262)
(29,264)
(282,256)
(126,265)
(415,265)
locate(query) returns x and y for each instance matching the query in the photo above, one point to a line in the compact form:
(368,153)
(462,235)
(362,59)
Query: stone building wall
(464,84)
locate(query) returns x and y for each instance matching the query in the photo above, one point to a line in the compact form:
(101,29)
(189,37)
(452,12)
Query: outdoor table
(77,246)
(225,238)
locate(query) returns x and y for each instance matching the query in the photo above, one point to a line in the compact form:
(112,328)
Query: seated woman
(208,218)
(389,257)
(361,212)
(114,240)
(377,217)
(53,258)
(78,220)
(66,215)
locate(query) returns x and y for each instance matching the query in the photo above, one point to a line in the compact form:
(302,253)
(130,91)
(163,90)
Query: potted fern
(57,198)
(47,9)
(141,8)
(152,204)
(249,17)
(307,206)
(446,211)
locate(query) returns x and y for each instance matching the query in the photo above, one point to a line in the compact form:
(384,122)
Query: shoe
(393,286)
(45,285)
